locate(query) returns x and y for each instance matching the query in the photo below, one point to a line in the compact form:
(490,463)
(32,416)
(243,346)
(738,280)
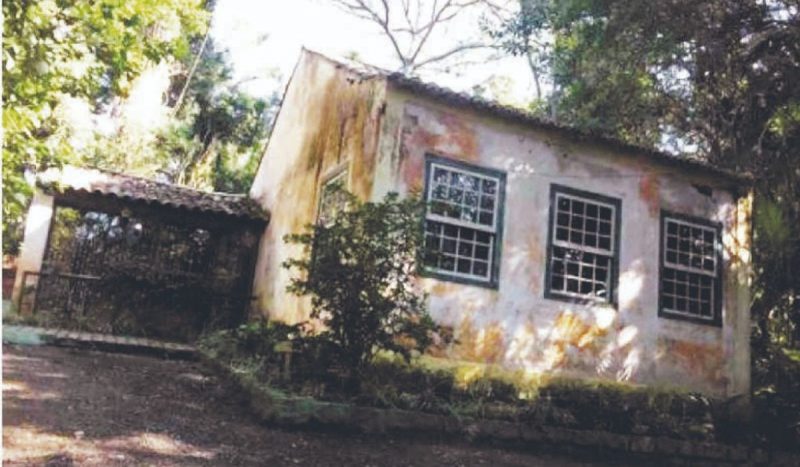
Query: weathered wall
(37,228)
(332,117)
(515,325)
(329,120)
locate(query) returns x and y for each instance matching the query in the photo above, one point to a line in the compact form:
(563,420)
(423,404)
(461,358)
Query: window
(583,245)
(690,269)
(463,221)
(332,199)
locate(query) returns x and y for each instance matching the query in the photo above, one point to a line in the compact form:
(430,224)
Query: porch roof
(81,180)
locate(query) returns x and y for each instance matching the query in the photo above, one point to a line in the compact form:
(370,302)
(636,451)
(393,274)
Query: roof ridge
(136,187)
(159,182)
(347,62)
(436,91)
(350,62)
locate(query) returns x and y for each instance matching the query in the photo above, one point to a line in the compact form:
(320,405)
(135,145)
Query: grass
(485,391)
(462,388)
(793,354)
(10,315)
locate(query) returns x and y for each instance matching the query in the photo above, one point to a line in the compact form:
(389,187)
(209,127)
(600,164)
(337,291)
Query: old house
(560,252)
(563,252)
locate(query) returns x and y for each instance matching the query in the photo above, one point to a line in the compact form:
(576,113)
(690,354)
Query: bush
(359,270)
(776,406)
(461,389)
(251,341)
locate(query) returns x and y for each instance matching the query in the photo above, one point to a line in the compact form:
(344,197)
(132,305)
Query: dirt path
(68,407)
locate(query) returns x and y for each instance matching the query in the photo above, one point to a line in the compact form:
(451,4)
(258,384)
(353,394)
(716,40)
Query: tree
(413,26)
(526,33)
(358,269)
(227,126)
(720,79)
(72,48)
(213,134)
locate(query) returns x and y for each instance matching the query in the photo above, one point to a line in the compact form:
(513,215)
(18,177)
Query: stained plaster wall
(328,122)
(332,118)
(515,325)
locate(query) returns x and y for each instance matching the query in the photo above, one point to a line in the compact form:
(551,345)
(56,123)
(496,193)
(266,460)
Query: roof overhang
(80,182)
(516,115)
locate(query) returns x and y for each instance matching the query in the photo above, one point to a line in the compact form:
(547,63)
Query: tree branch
(434,18)
(414,23)
(196,61)
(360,9)
(453,51)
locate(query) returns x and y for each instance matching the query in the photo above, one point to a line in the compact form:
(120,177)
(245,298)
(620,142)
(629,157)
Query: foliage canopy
(714,79)
(59,53)
(75,49)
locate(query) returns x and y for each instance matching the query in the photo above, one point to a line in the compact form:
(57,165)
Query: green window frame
(690,272)
(582,246)
(463,221)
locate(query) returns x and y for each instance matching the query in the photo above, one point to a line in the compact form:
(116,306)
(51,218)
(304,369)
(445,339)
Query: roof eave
(253,213)
(453,98)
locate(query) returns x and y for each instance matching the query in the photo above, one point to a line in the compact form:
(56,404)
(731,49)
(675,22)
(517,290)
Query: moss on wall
(329,122)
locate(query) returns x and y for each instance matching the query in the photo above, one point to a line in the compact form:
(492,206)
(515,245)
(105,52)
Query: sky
(263,36)
(264,39)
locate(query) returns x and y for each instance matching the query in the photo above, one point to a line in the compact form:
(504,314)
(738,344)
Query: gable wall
(514,324)
(328,121)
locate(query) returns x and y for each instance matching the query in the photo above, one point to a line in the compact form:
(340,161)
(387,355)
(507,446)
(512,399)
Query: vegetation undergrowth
(776,396)
(279,357)
(283,360)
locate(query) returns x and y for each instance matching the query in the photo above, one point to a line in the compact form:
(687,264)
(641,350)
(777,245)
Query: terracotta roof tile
(136,188)
(493,108)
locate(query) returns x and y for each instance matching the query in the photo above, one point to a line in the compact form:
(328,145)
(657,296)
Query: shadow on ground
(75,407)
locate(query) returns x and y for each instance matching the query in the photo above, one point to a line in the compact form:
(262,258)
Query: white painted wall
(37,229)
(328,122)
(514,325)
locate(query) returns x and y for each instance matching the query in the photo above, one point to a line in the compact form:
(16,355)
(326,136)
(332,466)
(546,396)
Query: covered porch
(113,253)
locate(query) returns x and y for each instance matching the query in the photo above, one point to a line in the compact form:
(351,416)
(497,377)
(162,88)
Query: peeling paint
(698,360)
(330,117)
(582,340)
(649,192)
(485,344)
(446,135)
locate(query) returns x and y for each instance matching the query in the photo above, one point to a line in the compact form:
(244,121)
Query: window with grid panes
(332,199)
(462,223)
(583,245)
(690,269)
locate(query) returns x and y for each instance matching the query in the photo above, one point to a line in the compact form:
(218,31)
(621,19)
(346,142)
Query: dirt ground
(66,407)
